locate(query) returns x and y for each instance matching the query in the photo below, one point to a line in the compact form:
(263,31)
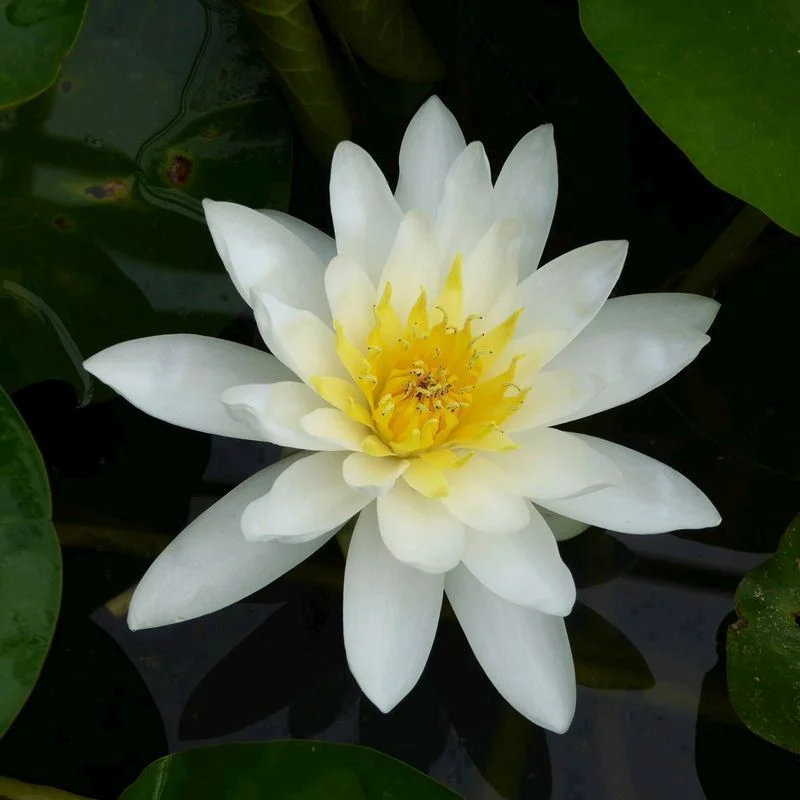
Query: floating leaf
(17,790)
(721,82)
(286,771)
(30,563)
(35,37)
(386,34)
(764,646)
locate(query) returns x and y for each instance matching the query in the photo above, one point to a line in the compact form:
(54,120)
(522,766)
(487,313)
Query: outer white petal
(555,395)
(431,143)
(526,190)
(261,254)
(524,567)
(552,464)
(298,338)
(275,411)
(210,565)
(365,214)
(334,426)
(482,496)
(525,653)
(419,531)
(351,295)
(562,528)
(465,212)
(180,378)
(653,498)
(566,293)
(323,245)
(630,363)
(391,611)
(361,470)
(658,310)
(309,498)
(413,263)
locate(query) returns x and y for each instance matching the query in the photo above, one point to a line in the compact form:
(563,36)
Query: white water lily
(424,361)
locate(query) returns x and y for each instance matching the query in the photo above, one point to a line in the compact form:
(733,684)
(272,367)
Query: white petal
(526,190)
(334,426)
(465,212)
(419,531)
(261,254)
(525,653)
(555,395)
(391,611)
(309,498)
(653,498)
(658,310)
(524,567)
(413,263)
(360,470)
(180,378)
(298,338)
(552,464)
(482,496)
(562,528)
(323,245)
(210,564)
(274,410)
(566,293)
(351,295)
(431,143)
(490,271)
(629,362)
(365,214)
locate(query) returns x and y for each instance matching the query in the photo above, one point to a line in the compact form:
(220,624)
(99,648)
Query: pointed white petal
(391,611)
(335,427)
(351,295)
(465,212)
(361,470)
(483,497)
(180,378)
(419,531)
(524,567)
(210,564)
(298,338)
(365,214)
(630,363)
(275,411)
(562,528)
(309,498)
(413,263)
(525,653)
(430,145)
(658,310)
(566,293)
(526,190)
(320,243)
(552,464)
(653,498)
(261,254)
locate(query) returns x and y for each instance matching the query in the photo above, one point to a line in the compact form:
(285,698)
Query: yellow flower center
(428,385)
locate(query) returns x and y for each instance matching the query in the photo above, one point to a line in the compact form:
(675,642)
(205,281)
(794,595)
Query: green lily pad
(292,770)
(764,646)
(720,80)
(30,563)
(35,38)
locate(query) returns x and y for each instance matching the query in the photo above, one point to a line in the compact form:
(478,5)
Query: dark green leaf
(764,646)
(35,37)
(30,564)
(604,657)
(286,771)
(386,34)
(720,79)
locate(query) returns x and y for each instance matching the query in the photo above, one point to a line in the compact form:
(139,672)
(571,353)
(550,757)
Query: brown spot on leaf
(179,170)
(63,223)
(112,189)
(739,625)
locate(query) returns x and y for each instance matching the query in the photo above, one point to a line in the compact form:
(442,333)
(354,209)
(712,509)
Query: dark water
(162,104)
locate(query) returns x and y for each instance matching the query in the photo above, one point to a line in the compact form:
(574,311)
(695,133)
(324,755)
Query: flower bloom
(422,361)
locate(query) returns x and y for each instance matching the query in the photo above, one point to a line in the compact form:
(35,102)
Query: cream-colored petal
(351,295)
(320,243)
(655,311)
(562,528)
(361,470)
(335,427)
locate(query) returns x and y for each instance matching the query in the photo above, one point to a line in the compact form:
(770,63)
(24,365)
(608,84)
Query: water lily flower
(422,362)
